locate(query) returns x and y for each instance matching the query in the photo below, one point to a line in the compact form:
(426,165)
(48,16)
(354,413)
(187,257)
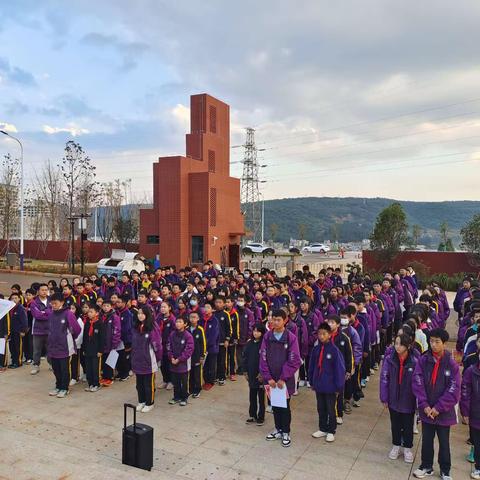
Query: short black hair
(325,326)
(57,296)
(279,312)
(440,333)
(336,318)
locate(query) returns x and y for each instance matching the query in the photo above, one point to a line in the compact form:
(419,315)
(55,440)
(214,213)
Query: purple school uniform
(444,395)
(280,359)
(470,395)
(40,314)
(146,351)
(357,346)
(329,377)
(63,330)
(246,323)
(113,331)
(302,335)
(180,346)
(460,297)
(212,333)
(398,395)
(312,322)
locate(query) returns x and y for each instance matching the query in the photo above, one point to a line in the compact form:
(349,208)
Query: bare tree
(9,189)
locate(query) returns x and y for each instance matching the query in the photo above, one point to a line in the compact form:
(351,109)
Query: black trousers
(428,434)
(180,386)
(366,366)
(210,368)
(257,403)
(123,364)
(39,346)
(15,344)
(146,388)
(165,369)
(92,370)
(107,370)
(28,345)
(402,428)
(475,438)
(232,359)
(4,356)
(327,418)
(238,352)
(62,370)
(339,404)
(76,366)
(195,380)
(304,368)
(389,334)
(282,418)
(222,363)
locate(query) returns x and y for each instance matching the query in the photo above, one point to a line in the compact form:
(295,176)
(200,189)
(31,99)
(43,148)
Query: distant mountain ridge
(352,219)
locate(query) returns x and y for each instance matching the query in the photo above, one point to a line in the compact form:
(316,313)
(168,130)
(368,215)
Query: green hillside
(352,219)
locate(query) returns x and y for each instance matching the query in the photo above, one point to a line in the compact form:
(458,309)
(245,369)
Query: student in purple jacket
(210,325)
(18,328)
(279,360)
(397,395)
(63,330)
(436,384)
(113,332)
(166,325)
(180,348)
(41,310)
(470,410)
(327,376)
(146,354)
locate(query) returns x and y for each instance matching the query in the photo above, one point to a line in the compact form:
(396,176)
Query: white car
(316,248)
(258,248)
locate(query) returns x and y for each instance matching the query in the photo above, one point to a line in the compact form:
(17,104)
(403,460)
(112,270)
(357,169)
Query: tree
(390,232)
(9,189)
(111,199)
(416,233)
(471,236)
(273,231)
(302,231)
(126,230)
(334,232)
(444,230)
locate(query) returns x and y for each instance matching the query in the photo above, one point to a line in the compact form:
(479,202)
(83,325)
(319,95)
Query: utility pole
(250,194)
(82,217)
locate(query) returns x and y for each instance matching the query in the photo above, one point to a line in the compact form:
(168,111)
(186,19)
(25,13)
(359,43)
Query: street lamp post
(22,255)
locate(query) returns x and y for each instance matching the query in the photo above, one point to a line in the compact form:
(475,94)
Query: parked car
(258,248)
(294,250)
(316,248)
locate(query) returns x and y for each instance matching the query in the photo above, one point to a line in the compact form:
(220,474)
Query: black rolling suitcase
(137,442)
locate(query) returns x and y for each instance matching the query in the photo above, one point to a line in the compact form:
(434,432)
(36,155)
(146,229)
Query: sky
(373,98)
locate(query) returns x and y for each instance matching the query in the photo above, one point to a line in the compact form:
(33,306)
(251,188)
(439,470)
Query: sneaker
(169,386)
(308,385)
(233,378)
(339,421)
(330,438)
(372,371)
(147,408)
(3,369)
(95,388)
(173,401)
(196,395)
(269,409)
(423,472)
(319,434)
(162,385)
(183,403)
(29,361)
(408,455)
(207,386)
(106,383)
(221,383)
(13,366)
(295,393)
(394,453)
(274,435)
(140,406)
(375,367)
(356,403)
(124,379)
(367,379)
(83,378)
(72,382)
(445,476)
(347,407)
(260,422)
(88,389)
(286,441)
(475,475)
(54,392)
(250,420)
(470,458)
(301,383)
(62,393)
(363,383)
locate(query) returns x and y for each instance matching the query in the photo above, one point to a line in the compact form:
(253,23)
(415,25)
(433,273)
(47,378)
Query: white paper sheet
(5,307)
(2,346)
(112,358)
(278,397)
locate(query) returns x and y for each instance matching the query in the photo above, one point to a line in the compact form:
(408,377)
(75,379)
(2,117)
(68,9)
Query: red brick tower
(196,213)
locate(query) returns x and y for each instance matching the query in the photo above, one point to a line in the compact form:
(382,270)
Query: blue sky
(373,98)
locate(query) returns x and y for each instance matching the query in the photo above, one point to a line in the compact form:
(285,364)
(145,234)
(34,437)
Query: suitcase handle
(125,406)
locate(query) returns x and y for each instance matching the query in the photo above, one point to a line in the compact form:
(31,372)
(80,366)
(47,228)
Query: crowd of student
(201,328)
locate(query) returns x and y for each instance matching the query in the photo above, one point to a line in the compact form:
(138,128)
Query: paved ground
(80,437)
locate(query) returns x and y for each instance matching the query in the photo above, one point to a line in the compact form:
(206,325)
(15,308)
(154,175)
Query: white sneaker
(301,383)
(308,384)
(72,382)
(286,441)
(422,473)
(444,476)
(162,385)
(408,455)
(140,407)
(83,378)
(54,392)
(62,393)
(475,475)
(319,434)
(34,370)
(330,437)
(88,389)
(169,386)
(339,421)
(96,388)
(147,408)
(394,453)
(274,435)
(269,409)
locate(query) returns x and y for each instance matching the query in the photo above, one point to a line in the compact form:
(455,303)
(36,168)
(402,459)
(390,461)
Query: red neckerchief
(320,357)
(437,359)
(206,319)
(92,322)
(84,318)
(356,322)
(334,334)
(141,327)
(401,359)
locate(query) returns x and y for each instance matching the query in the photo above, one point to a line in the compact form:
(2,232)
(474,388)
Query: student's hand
(22,334)
(272,383)
(428,411)
(225,343)
(99,355)
(434,412)
(348,375)
(385,405)
(280,384)
(175,361)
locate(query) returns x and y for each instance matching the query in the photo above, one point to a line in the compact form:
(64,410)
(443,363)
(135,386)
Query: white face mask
(246,275)
(344,322)
(193,303)
(241,304)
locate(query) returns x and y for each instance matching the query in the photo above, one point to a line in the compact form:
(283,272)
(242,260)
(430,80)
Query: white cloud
(72,129)
(8,127)
(181,113)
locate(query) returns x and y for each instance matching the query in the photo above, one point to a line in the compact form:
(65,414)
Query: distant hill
(355,217)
